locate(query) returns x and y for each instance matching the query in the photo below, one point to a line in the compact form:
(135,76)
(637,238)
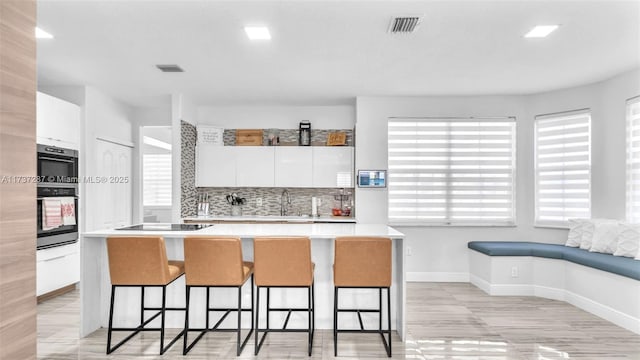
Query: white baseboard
(550,293)
(617,317)
(480,283)
(437,277)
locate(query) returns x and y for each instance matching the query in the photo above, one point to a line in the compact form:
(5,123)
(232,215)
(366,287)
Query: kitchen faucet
(285,201)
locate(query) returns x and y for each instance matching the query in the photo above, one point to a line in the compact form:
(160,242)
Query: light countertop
(318,230)
(258,218)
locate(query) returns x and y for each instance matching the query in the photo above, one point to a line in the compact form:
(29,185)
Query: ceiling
(329,52)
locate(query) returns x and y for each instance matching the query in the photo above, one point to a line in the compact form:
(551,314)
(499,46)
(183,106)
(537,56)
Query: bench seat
(619,265)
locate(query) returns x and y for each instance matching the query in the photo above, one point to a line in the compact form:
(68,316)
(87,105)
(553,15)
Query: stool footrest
(166,309)
(363,331)
(228,309)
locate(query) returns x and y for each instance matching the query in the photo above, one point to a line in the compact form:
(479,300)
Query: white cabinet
(293,166)
(254,166)
(277,166)
(58,122)
(57,267)
(215,166)
(332,166)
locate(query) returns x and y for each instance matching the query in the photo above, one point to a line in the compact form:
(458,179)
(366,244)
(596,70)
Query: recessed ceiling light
(541,31)
(257,32)
(41,34)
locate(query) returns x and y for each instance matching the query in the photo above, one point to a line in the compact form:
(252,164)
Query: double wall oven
(58,177)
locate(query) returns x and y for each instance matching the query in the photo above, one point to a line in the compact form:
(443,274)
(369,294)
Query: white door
(112,185)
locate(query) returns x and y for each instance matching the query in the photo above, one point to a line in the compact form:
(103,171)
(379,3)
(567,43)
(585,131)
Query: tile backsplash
(300,197)
(300,200)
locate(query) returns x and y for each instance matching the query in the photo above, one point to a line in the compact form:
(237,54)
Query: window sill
(410,224)
(557,227)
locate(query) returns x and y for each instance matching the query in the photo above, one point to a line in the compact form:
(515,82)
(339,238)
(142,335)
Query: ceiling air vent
(404,24)
(170,68)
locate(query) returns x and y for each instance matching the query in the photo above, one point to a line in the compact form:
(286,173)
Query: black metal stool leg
(162,317)
(141,305)
(309,320)
(186,322)
(257,320)
(335,321)
(239,320)
(389,319)
(113,294)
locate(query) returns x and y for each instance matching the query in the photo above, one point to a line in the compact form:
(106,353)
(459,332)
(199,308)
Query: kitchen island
(95,285)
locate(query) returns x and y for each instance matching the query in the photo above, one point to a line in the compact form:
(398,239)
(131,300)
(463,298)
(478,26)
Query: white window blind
(633,160)
(156,179)
(451,171)
(562,167)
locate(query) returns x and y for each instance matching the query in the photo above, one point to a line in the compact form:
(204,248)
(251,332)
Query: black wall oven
(57,165)
(63,234)
(58,177)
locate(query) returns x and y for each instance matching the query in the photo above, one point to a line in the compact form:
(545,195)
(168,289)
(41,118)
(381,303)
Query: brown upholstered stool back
(140,260)
(283,261)
(215,261)
(362,261)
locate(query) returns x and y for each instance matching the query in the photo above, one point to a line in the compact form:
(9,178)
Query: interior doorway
(156,174)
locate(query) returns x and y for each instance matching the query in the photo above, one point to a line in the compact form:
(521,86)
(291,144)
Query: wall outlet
(514,271)
(259,202)
(409,252)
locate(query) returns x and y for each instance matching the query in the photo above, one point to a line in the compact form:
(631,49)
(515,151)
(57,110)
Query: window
(562,168)
(451,171)
(156,179)
(633,160)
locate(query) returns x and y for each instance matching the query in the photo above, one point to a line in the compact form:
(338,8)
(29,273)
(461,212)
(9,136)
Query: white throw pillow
(574,239)
(628,240)
(605,237)
(588,229)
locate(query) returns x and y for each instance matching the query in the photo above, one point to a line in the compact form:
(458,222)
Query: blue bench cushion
(614,264)
(620,265)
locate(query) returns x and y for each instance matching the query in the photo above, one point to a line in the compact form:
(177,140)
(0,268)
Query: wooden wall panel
(18,332)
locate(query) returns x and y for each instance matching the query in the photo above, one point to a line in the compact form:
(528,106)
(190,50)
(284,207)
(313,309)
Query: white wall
(440,253)
(281,117)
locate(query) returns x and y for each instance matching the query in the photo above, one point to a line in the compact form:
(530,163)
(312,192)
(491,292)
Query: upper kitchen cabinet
(293,166)
(254,166)
(58,122)
(332,166)
(215,165)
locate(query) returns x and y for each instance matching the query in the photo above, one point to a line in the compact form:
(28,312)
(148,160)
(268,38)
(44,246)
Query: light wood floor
(445,321)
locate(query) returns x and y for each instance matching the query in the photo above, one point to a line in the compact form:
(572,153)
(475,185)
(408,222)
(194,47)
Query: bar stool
(362,262)
(284,262)
(141,261)
(216,263)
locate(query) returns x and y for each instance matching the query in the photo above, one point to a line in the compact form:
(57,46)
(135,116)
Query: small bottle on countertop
(314,206)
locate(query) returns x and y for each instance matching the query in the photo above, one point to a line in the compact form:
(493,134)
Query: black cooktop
(166,227)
